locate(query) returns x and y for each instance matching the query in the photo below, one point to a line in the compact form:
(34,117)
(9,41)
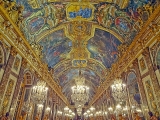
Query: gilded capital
(13,51)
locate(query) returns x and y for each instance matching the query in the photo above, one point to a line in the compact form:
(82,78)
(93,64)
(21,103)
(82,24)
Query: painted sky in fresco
(125,22)
(103,47)
(66,80)
(88,74)
(55,48)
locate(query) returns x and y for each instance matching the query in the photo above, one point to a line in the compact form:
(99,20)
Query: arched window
(1,56)
(133,89)
(158,59)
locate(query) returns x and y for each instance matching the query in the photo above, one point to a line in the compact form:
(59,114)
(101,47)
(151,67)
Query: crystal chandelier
(79,111)
(39,92)
(119,90)
(80,94)
(68,112)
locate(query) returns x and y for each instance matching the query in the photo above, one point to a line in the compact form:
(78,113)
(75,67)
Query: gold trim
(24,49)
(94,26)
(134,50)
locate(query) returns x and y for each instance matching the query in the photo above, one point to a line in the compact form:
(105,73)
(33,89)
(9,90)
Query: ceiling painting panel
(124,17)
(61,67)
(126,21)
(92,65)
(82,34)
(66,80)
(98,68)
(39,19)
(72,73)
(56,47)
(103,47)
(80,11)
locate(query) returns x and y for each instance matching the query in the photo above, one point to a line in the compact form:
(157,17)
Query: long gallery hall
(79,59)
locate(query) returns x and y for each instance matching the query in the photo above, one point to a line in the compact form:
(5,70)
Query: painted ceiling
(103,47)
(56,47)
(82,34)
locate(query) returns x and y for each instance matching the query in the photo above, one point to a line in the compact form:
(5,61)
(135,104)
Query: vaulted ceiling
(85,34)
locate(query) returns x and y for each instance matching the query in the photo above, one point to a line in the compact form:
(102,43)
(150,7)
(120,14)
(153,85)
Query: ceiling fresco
(126,17)
(41,18)
(127,22)
(82,33)
(72,73)
(103,47)
(66,80)
(55,48)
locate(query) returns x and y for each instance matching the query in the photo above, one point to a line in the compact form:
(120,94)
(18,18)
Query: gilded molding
(13,51)
(64,26)
(18,42)
(144,39)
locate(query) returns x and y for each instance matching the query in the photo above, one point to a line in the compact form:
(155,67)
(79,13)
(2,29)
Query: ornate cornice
(64,27)
(11,33)
(148,34)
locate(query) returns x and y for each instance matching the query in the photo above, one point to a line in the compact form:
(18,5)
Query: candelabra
(119,90)
(39,92)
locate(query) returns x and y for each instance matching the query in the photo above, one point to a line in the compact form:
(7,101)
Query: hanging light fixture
(39,92)
(80,92)
(68,112)
(119,90)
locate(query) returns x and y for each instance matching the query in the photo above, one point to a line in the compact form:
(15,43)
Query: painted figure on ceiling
(84,13)
(103,47)
(45,18)
(55,48)
(131,18)
(41,18)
